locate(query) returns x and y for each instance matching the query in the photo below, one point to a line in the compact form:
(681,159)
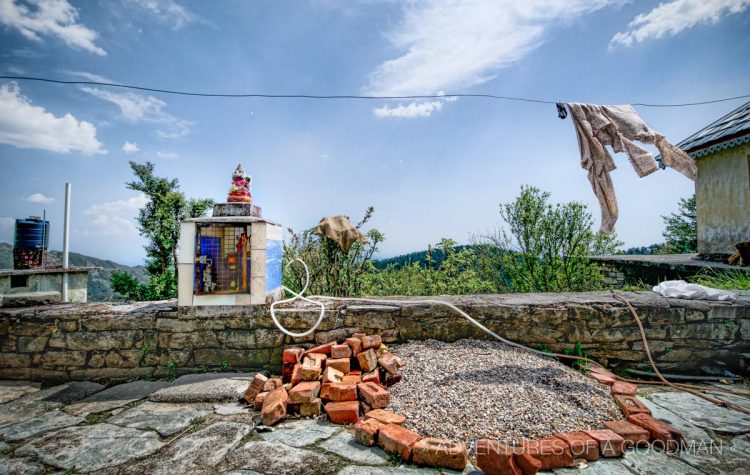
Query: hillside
(98,288)
(420,257)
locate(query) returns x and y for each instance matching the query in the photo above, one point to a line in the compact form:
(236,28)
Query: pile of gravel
(474,389)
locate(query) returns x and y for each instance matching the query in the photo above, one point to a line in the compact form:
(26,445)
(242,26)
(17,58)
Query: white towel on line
(680,289)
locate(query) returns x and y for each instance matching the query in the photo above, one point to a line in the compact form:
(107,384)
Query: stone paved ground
(189,426)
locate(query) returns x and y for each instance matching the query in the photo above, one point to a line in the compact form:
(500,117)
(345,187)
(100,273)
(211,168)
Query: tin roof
(729,131)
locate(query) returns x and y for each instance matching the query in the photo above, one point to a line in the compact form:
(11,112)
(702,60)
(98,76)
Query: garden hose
(316,299)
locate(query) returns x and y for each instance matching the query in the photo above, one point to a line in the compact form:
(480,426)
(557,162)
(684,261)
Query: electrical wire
(339,96)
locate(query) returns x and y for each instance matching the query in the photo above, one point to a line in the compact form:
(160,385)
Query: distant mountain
(99,289)
(420,257)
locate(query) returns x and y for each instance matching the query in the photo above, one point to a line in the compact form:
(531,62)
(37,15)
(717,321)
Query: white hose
(300,296)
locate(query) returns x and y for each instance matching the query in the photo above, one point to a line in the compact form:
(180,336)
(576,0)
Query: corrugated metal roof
(731,127)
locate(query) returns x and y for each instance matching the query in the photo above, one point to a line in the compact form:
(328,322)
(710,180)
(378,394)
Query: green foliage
(723,279)
(582,364)
(159,222)
(681,232)
(171,371)
(459,271)
(332,271)
(158,287)
(549,244)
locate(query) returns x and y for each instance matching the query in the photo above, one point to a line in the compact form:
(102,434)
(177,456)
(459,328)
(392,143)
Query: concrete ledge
(107,341)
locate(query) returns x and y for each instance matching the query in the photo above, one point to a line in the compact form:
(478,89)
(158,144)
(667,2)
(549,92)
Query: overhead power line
(339,96)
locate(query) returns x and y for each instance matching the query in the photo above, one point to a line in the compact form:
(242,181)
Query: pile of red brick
(349,380)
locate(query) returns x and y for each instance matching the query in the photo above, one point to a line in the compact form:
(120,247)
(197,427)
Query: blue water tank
(31,233)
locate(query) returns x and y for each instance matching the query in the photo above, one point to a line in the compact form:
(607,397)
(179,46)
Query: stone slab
(343,445)
(4,447)
(166,419)
(690,432)
(10,390)
(91,448)
(703,413)
(40,424)
(20,467)
(364,470)
(114,397)
(231,408)
(29,406)
(241,472)
(600,467)
(279,459)
(215,390)
(301,432)
(75,391)
(199,452)
(652,462)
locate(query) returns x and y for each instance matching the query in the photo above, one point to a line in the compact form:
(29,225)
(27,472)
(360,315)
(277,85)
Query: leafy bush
(681,228)
(158,286)
(549,244)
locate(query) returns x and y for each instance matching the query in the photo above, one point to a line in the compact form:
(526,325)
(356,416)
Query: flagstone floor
(195,425)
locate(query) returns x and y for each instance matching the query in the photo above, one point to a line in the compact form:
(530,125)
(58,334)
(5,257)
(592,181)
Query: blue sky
(431,169)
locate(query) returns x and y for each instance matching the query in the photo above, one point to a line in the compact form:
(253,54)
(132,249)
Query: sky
(431,168)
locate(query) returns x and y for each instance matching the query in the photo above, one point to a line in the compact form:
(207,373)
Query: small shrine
(232,257)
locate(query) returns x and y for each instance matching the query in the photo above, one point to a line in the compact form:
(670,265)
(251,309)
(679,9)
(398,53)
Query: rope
(695,390)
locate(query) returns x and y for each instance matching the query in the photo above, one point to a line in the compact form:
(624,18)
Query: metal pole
(66,242)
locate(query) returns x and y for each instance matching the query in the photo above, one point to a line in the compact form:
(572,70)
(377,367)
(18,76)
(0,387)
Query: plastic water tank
(31,233)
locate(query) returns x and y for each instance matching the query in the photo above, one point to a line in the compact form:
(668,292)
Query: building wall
(50,282)
(722,194)
(104,341)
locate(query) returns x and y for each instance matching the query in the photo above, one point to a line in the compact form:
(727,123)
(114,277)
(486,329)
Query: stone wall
(120,342)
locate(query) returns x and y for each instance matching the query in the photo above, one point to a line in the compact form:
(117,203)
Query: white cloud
(37,18)
(40,198)
(89,76)
(28,126)
(669,19)
(167,155)
(412,110)
(456,44)
(105,225)
(139,108)
(167,11)
(129,206)
(130,147)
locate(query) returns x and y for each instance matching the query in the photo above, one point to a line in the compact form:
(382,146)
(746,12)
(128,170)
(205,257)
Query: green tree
(159,222)
(681,229)
(548,246)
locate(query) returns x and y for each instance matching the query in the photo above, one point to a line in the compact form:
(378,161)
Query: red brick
(259,400)
(342,392)
(311,409)
(395,439)
(305,391)
(352,378)
(440,453)
(602,378)
(610,444)
(272,384)
(293,355)
(368,360)
(388,362)
(355,344)
(602,371)
(296,374)
(343,412)
(494,458)
(341,351)
(633,434)
(325,391)
(274,406)
(582,445)
(386,417)
(621,387)
(311,369)
(322,349)
(660,431)
(355,372)
(332,375)
(371,341)
(341,364)
(256,386)
(359,336)
(366,432)
(630,405)
(286,371)
(371,377)
(550,451)
(364,407)
(528,464)
(374,395)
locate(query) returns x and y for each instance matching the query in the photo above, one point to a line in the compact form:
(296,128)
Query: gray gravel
(474,389)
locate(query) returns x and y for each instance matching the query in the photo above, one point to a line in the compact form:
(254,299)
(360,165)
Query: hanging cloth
(619,126)
(340,230)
